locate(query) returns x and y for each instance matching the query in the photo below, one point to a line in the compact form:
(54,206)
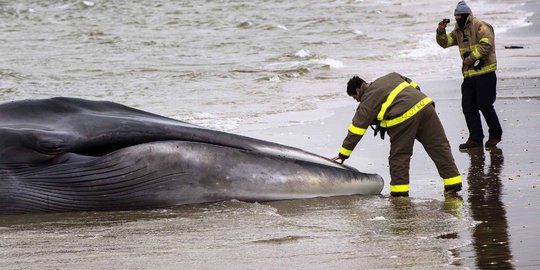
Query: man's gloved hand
(381,130)
(442,25)
(340,157)
(468,61)
(478,64)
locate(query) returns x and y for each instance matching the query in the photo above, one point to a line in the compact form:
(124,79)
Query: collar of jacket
(363,91)
(467,23)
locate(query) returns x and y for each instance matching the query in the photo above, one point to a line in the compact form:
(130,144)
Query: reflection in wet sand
(490,236)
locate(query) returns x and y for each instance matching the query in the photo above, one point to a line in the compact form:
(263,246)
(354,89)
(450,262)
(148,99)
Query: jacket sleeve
(445,40)
(360,123)
(486,39)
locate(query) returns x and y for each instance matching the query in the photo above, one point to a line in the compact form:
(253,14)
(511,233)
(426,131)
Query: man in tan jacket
(394,103)
(476,42)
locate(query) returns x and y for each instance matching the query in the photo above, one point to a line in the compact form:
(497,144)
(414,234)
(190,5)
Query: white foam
(212,121)
(88,3)
(358,32)
(426,46)
(519,22)
(332,63)
(281,27)
(303,53)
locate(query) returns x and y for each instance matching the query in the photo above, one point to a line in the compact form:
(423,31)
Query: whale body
(67,154)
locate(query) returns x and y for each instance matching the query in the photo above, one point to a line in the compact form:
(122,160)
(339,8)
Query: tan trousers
(425,127)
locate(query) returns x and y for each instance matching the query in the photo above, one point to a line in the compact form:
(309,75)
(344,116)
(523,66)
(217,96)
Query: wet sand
(501,185)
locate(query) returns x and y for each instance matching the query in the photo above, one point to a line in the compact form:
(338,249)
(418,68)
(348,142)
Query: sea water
(218,63)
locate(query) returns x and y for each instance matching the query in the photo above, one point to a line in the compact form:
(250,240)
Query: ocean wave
(426,46)
(211,56)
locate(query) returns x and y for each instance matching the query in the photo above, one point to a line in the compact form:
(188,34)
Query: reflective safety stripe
(392,96)
(473,49)
(452,181)
(485,40)
(399,188)
(344,151)
(356,130)
(476,54)
(485,69)
(449,41)
(408,114)
(466,49)
(470,49)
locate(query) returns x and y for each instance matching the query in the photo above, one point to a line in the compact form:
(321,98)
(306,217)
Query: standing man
(395,104)
(476,42)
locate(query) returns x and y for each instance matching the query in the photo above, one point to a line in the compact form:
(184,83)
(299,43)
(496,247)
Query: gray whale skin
(67,154)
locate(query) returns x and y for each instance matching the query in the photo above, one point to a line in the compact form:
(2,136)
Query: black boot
(452,188)
(399,194)
(470,144)
(492,142)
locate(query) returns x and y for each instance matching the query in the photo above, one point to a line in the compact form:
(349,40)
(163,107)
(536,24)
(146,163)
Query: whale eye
(50,144)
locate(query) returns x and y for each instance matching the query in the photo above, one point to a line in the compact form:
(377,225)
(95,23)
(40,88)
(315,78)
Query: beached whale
(67,154)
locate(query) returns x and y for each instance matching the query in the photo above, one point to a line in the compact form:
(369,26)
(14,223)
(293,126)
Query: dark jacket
(388,101)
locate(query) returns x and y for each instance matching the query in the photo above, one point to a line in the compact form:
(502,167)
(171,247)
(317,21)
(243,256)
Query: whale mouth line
(102,149)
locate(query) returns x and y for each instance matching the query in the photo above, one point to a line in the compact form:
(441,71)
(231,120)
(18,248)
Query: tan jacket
(388,101)
(478,39)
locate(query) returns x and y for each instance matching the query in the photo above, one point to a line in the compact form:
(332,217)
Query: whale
(66,154)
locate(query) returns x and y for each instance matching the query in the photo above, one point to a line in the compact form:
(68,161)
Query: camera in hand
(446,20)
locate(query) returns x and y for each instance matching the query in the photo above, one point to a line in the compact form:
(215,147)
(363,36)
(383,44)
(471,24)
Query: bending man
(394,103)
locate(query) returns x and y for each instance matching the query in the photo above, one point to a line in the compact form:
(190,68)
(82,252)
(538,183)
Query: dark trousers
(478,95)
(425,127)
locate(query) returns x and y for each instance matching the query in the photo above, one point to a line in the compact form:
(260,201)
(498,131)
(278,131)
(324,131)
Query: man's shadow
(490,237)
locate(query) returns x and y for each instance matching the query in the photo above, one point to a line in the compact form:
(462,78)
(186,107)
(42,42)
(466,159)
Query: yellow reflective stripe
(390,99)
(345,151)
(450,40)
(485,69)
(476,54)
(452,181)
(485,40)
(356,130)
(408,114)
(399,188)
(473,49)
(413,84)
